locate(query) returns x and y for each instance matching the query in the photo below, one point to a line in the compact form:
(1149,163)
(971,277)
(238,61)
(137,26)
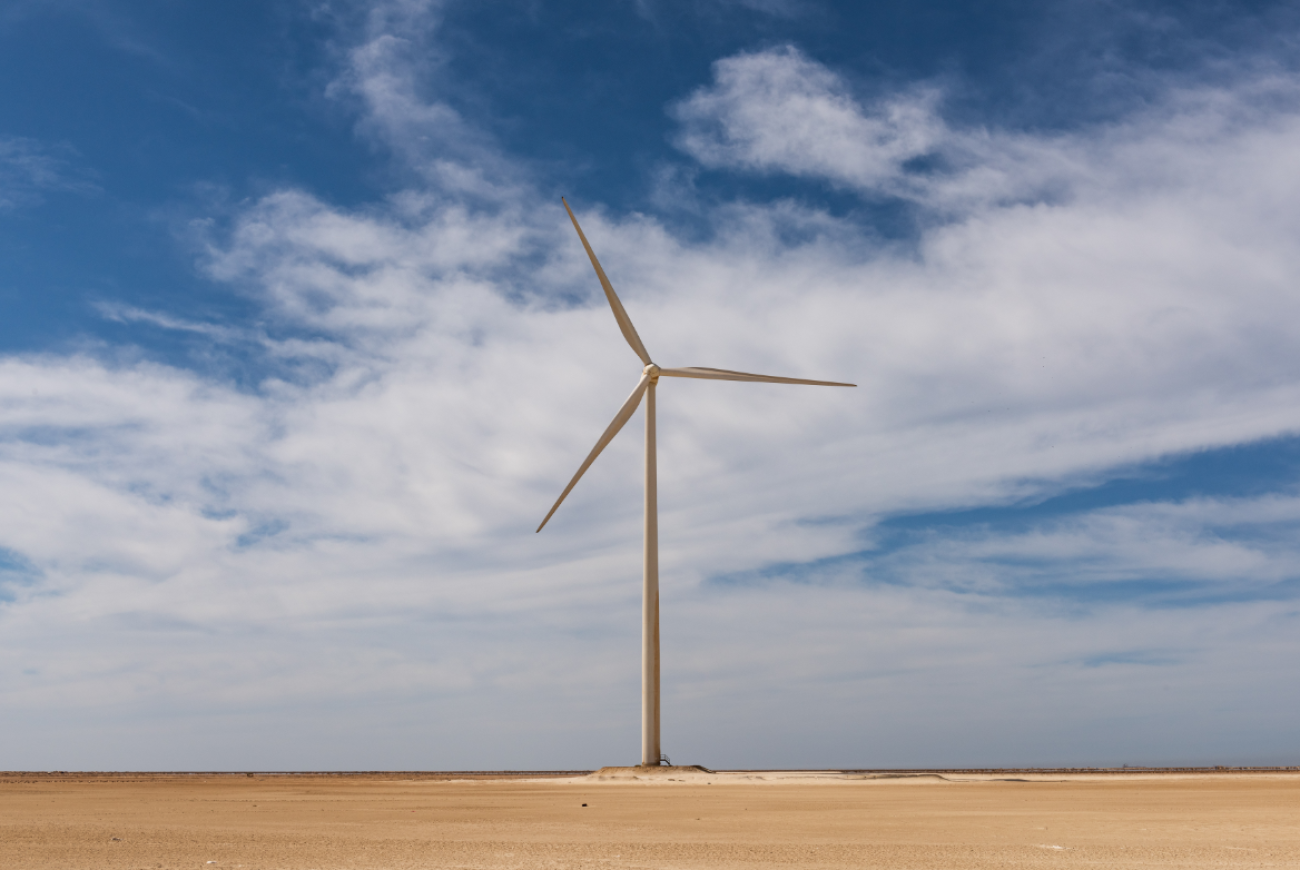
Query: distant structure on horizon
(651,754)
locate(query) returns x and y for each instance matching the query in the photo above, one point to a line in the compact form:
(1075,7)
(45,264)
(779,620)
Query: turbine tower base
(643,771)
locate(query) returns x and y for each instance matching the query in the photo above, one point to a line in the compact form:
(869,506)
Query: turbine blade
(728,375)
(624,414)
(624,322)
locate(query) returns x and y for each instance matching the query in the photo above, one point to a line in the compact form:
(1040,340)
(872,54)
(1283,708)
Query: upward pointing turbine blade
(624,414)
(729,375)
(624,322)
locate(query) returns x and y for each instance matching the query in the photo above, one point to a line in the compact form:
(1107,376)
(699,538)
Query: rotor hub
(652,370)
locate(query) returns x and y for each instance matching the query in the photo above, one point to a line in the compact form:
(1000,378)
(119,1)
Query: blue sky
(298,348)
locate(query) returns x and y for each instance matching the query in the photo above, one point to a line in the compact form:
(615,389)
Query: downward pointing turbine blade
(728,375)
(624,414)
(624,322)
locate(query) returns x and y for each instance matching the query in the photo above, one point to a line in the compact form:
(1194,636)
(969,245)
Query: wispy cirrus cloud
(395,73)
(1182,553)
(29,169)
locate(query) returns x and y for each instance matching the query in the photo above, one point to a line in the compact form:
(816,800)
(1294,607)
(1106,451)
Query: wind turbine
(650,375)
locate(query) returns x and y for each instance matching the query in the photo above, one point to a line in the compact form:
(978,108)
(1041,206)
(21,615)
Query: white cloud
(778,112)
(390,72)
(352,547)
(1185,552)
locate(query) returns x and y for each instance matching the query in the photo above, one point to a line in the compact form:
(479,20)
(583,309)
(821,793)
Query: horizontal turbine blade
(624,414)
(624,322)
(728,375)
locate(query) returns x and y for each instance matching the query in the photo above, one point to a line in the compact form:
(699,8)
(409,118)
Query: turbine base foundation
(643,771)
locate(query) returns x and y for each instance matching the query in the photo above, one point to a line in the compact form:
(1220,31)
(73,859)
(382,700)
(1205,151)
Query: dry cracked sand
(679,820)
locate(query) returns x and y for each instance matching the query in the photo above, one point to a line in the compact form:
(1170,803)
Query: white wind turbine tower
(650,748)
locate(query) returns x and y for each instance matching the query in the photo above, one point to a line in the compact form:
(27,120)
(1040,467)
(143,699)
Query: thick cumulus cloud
(337,568)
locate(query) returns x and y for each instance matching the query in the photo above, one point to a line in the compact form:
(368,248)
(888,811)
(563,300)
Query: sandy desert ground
(752,820)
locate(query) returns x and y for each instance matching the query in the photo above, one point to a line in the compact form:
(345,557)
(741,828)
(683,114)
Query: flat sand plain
(752,820)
